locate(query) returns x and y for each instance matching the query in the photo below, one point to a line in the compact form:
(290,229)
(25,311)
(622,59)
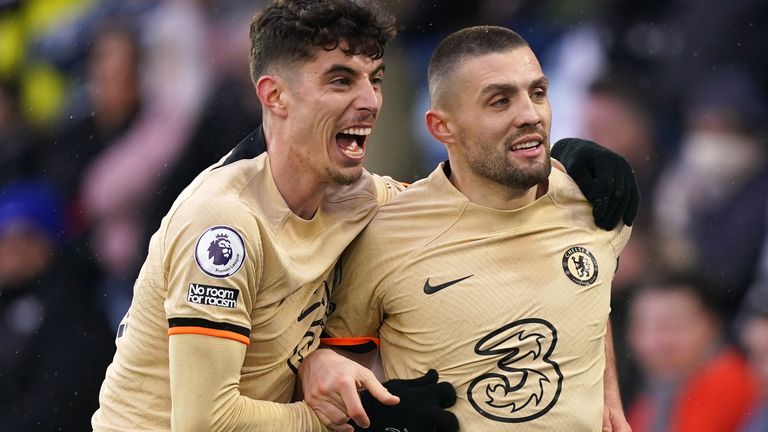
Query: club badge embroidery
(580,266)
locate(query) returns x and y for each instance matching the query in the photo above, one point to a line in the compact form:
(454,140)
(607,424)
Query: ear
(438,125)
(269,89)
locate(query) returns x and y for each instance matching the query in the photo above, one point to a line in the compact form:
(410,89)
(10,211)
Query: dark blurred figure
(711,201)
(54,345)
(113,103)
(754,336)
(694,381)
(616,114)
(20,153)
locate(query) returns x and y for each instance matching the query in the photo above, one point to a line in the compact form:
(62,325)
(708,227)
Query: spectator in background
(711,201)
(113,103)
(615,112)
(122,181)
(754,335)
(694,381)
(230,112)
(54,345)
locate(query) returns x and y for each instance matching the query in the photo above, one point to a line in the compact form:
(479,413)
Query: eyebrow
(379,68)
(334,68)
(509,88)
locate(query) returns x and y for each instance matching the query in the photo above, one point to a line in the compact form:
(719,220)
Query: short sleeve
(212,266)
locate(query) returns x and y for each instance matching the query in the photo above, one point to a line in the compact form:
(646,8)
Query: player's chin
(345,175)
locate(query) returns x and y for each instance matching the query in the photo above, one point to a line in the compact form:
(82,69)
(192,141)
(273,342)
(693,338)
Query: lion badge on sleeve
(220,251)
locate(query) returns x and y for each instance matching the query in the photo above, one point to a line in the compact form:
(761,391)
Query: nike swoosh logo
(431,289)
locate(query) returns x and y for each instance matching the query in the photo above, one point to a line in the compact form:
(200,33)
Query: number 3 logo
(529,382)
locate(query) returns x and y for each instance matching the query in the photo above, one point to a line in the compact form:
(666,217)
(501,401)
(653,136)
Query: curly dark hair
(288,31)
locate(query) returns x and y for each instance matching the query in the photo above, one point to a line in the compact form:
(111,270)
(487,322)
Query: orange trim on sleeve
(209,332)
(354,341)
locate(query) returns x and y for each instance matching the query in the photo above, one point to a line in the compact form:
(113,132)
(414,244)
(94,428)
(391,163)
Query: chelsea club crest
(580,266)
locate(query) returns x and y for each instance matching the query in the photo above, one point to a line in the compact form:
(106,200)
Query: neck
(300,188)
(488,193)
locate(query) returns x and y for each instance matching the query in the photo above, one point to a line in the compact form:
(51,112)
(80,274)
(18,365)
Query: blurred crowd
(108,108)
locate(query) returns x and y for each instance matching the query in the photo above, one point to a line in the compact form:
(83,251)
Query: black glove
(422,406)
(605,178)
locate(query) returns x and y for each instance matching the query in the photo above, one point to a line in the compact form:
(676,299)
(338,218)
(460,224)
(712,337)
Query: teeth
(526,145)
(357,131)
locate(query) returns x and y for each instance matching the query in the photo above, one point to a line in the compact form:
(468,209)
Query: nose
(368,98)
(528,113)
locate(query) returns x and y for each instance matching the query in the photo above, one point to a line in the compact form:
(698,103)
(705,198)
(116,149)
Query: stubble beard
(497,167)
(344,179)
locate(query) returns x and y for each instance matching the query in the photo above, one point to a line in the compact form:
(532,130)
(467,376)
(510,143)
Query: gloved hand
(605,178)
(422,406)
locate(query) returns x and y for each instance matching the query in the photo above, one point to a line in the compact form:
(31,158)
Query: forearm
(205,377)
(612,395)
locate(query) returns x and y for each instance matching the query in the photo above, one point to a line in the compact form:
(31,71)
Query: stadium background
(108,108)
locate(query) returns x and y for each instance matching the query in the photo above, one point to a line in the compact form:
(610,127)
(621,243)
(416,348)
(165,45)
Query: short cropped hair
(467,43)
(288,31)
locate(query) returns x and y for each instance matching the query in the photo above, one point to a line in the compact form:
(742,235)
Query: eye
(377,81)
(539,94)
(341,81)
(500,102)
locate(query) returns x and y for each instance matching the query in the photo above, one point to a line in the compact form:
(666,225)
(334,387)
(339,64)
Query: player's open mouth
(351,141)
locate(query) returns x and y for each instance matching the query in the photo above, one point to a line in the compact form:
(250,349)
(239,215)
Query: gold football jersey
(509,306)
(231,260)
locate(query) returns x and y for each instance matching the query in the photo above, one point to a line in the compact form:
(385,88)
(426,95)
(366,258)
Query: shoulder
(213,227)
(566,195)
(387,188)
(216,197)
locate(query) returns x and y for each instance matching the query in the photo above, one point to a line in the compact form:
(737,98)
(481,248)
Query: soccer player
(235,289)
(491,270)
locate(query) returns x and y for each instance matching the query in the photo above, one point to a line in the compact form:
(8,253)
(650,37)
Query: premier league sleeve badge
(220,251)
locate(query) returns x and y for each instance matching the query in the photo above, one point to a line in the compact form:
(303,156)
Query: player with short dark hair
(491,270)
